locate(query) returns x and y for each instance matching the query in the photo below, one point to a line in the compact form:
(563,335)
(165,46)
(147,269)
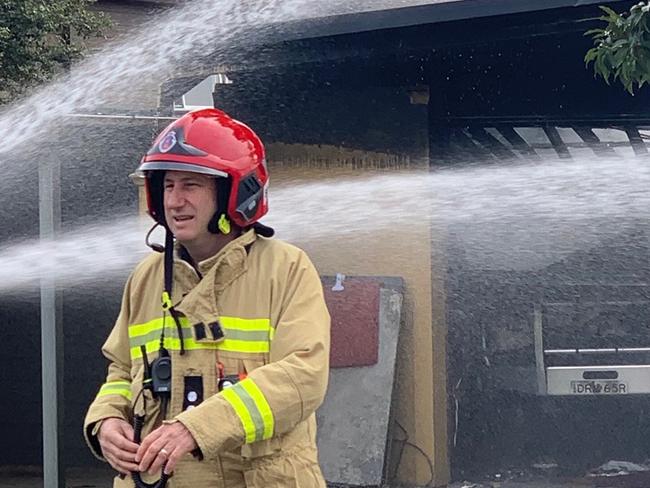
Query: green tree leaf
(621,48)
(40,38)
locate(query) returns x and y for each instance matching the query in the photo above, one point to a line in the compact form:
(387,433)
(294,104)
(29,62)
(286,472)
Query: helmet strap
(154,245)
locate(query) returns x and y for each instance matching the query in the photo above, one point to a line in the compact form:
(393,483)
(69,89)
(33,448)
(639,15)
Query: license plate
(599,387)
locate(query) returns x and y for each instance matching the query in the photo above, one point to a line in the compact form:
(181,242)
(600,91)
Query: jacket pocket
(294,440)
(293,469)
(250,364)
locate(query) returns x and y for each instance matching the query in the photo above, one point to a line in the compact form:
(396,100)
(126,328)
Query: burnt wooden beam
(518,142)
(558,144)
(491,143)
(599,147)
(464,144)
(635,140)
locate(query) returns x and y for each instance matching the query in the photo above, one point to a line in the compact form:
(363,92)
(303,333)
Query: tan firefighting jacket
(267,298)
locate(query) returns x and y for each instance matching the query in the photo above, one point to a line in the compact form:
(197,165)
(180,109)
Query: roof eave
(417,15)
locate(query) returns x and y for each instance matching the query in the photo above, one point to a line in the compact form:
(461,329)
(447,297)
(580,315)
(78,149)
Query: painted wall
(408,248)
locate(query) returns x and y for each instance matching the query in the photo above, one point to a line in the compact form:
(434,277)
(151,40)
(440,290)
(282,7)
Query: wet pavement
(631,480)
(102,477)
(32,477)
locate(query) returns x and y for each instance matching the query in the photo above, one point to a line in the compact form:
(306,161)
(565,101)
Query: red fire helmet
(208,141)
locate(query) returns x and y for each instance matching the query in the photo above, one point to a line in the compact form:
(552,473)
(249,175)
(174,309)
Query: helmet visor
(174,166)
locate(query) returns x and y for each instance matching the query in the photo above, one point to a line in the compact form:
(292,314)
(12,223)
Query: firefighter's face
(190,201)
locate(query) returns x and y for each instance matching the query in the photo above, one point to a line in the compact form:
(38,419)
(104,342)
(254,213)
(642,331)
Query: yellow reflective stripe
(122,388)
(252,409)
(237,323)
(155,325)
(174,344)
(115,383)
(124,393)
(142,329)
(170,343)
(242,412)
(262,406)
(241,346)
(239,329)
(246,336)
(232,323)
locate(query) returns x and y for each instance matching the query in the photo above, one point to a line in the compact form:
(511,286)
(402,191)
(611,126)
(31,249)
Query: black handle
(138,423)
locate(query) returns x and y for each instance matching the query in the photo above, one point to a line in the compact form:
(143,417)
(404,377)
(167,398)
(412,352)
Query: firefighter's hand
(168,443)
(115,437)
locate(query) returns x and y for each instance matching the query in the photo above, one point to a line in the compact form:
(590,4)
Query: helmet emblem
(168,142)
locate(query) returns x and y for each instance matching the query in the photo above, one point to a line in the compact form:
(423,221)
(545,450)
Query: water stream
(542,210)
(509,216)
(160,48)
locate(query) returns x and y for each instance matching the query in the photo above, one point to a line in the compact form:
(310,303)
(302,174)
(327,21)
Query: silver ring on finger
(164,452)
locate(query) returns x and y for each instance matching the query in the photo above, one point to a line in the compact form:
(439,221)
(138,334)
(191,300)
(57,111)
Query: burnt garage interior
(460,79)
(481,81)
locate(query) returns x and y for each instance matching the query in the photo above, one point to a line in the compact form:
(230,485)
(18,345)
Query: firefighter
(220,353)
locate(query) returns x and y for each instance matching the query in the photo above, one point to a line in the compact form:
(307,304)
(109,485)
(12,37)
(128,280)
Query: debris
(467,484)
(545,467)
(618,468)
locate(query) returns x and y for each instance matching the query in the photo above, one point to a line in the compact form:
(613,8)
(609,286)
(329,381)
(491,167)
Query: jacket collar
(236,247)
(218,271)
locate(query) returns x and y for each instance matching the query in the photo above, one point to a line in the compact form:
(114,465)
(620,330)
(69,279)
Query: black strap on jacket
(169,279)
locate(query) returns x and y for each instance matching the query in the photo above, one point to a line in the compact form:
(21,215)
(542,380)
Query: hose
(138,423)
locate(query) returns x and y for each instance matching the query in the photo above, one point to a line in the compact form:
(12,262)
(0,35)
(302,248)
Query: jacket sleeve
(274,398)
(114,396)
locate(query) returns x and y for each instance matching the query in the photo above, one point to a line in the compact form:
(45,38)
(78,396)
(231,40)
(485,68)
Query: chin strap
(153,245)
